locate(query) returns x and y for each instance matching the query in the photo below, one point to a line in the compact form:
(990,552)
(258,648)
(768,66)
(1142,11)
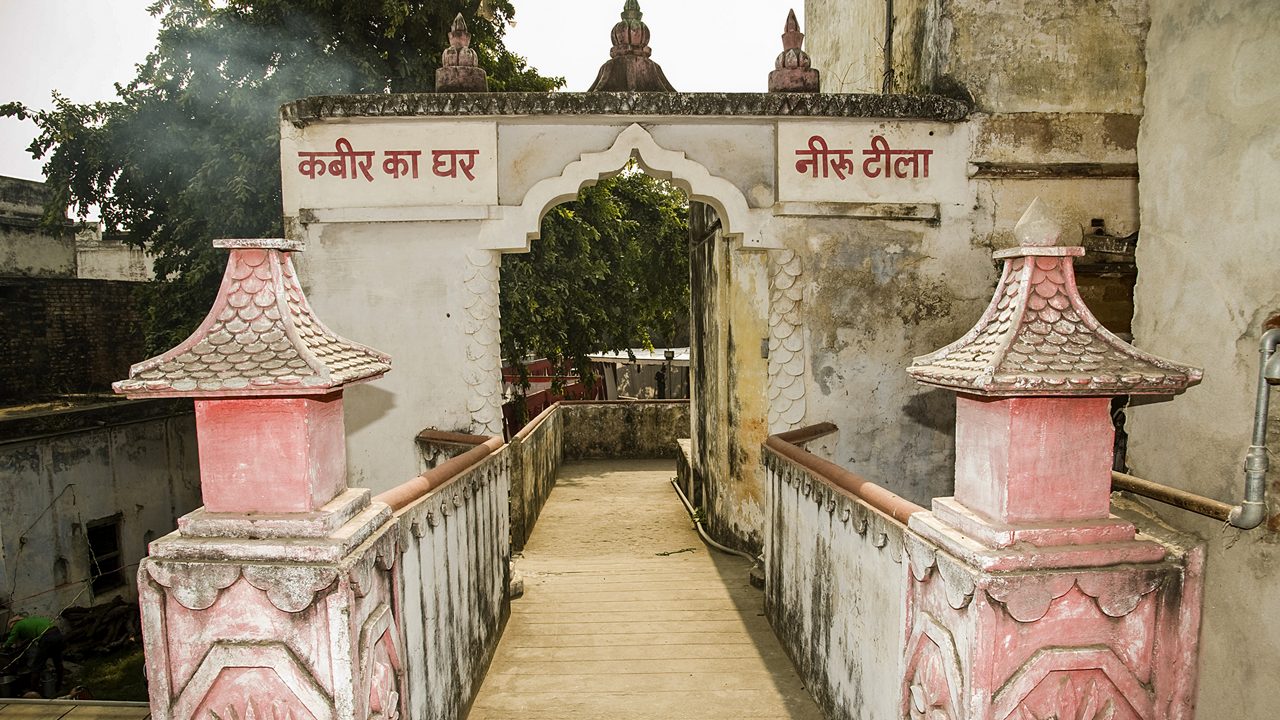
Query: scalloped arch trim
(525,220)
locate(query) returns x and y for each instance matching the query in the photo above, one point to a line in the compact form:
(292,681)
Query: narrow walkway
(610,628)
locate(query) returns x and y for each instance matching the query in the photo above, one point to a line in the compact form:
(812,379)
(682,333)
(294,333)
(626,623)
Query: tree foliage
(189,151)
(610,272)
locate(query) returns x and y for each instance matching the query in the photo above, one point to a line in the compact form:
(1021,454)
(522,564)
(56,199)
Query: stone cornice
(811,105)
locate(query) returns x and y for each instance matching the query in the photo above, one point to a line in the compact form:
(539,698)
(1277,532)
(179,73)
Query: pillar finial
(793,71)
(629,68)
(460,69)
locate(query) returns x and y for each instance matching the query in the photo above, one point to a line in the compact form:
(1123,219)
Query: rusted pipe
(680,401)
(1171,496)
(800,436)
(452,438)
(889,503)
(403,495)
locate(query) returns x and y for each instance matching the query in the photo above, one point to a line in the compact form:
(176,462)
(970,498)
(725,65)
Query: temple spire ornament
(460,69)
(793,71)
(629,68)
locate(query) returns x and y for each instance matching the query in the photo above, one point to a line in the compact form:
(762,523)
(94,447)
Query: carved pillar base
(1048,621)
(274,616)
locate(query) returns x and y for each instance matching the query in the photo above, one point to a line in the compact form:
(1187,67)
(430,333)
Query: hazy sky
(82,47)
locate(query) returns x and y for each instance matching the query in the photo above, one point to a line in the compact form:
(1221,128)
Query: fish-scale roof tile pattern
(1038,338)
(260,338)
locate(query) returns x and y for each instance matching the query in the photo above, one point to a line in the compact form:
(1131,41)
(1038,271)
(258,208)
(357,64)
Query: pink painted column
(1028,598)
(275,599)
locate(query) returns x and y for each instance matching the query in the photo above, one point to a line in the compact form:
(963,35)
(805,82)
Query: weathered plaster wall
(880,293)
(646,429)
(729,302)
(878,290)
(454,575)
(1210,157)
(845,40)
(27,250)
(63,468)
(101,256)
(1072,56)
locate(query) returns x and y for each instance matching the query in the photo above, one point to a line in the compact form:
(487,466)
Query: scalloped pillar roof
(1037,337)
(260,338)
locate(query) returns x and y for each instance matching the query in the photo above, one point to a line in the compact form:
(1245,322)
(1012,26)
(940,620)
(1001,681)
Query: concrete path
(610,629)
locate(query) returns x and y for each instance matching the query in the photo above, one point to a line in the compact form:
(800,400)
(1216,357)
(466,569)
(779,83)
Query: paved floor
(82,710)
(609,628)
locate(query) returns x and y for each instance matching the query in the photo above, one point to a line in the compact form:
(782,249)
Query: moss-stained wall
(1209,277)
(844,40)
(730,408)
(879,292)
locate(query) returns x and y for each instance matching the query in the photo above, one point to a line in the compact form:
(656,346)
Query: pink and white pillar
(1028,598)
(275,599)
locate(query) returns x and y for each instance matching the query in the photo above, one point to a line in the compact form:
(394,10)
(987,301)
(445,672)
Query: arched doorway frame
(634,142)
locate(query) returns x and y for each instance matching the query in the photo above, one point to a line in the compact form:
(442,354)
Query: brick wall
(62,336)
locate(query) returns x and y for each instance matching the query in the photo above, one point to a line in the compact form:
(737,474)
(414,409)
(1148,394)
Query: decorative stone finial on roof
(460,69)
(629,68)
(793,71)
(1037,337)
(261,338)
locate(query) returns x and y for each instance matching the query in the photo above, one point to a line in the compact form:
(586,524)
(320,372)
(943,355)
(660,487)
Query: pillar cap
(261,338)
(1037,337)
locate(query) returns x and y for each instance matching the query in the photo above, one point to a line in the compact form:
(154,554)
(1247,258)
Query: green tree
(189,151)
(610,272)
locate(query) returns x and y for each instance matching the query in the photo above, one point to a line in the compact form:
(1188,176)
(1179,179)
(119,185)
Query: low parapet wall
(835,583)
(536,454)
(625,429)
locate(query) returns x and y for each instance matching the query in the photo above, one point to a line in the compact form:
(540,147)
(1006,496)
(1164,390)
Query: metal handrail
(886,501)
(406,494)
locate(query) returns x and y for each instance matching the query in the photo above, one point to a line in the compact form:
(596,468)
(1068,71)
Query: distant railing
(623,429)
(835,587)
(453,575)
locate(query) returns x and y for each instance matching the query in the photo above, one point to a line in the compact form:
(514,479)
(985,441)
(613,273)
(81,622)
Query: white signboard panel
(870,161)
(389,164)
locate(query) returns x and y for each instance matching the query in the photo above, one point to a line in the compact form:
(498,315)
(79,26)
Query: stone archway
(404,243)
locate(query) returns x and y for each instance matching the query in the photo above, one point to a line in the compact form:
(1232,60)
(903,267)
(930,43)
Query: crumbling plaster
(1209,150)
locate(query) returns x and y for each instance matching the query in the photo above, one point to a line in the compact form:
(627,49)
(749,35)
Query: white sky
(82,47)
